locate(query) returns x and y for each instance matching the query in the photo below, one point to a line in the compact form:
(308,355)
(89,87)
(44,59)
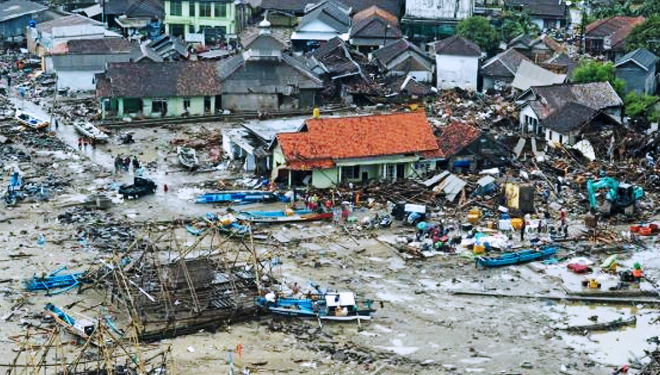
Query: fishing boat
(90,131)
(329,306)
(228,223)
(284,216)
(519,257)
(55,281)
(238,197)
(80,326)
(187,157)
(31,121)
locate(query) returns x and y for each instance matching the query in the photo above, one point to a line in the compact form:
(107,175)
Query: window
(177,30)
(191,9)
(176,8)
(191,29)
(220,10)
(186,103)
(423,166)
(561,139)
(159,106)
(350,173)
(205,9)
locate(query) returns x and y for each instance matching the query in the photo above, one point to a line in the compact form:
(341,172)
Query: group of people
(543,224)
(124,164)
(84,141)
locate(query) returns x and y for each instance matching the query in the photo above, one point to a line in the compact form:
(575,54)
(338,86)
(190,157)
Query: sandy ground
(420,326)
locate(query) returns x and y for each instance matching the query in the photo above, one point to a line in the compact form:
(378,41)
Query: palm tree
(518,23)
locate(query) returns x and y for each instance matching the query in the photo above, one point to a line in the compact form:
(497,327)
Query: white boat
(31,121)
(90,131)
(187,157)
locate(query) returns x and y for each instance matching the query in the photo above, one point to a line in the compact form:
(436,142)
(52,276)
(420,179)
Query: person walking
(118,163)
(85,144)
(93,142)
(80,143)
(127,163)
(136,163)
(522,230)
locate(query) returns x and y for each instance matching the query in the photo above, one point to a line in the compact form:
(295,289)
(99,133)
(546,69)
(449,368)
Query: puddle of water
(398,348)
(607,347)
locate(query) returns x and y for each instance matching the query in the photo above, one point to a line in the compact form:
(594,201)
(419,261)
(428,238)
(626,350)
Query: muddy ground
(421,326)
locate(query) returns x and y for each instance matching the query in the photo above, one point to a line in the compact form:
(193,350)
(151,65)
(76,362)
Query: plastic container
(635,228)
(478,249)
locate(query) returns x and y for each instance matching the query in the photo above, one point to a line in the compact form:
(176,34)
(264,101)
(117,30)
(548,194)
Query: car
(141,187)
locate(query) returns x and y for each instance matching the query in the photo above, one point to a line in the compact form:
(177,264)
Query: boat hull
(520,257)
(31,121)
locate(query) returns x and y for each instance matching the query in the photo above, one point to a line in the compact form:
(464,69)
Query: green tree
(595,71)
(646,35)
(517,23)
(480,31)
(650,8)
(603,11)
(641,107)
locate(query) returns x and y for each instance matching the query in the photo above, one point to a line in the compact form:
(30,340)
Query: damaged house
(467,148)
(500,71)
(638,70)
(328,151)
(262,78)
(402,58)
(562,113)
(340,68)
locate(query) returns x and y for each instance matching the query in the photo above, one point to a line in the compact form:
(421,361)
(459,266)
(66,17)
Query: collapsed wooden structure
(167,290)
(45,351)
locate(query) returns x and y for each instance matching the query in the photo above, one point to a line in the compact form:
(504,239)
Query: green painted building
(203,21)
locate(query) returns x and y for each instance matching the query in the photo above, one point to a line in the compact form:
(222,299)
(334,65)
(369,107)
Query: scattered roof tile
(327,140)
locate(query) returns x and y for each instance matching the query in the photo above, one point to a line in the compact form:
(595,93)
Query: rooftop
(456,137)
(393,49)
(456,46)
(324,141)
(17,8)
(505,64)
(72,20)
(548,8)
(97,46)
(642,57)
(331,13)
(135,8)
(374,22)
(530,74)
(614,28)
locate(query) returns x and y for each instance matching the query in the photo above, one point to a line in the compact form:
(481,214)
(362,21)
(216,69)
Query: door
(365,177)
(218,103)
(400,171)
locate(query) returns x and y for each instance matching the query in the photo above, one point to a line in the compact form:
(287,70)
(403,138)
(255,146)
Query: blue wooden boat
(194,231)
(233,227)
(330,306)
(54,281)
(80,326)
(519,257)
(239,197)
(283,216)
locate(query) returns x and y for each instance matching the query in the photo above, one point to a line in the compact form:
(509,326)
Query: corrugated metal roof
(451,186)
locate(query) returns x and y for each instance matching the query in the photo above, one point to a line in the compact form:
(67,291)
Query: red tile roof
(327,140)
(456,137)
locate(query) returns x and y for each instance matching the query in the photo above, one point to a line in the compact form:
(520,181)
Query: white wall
(439,9)
(77,80)
(526,111)
(457,71)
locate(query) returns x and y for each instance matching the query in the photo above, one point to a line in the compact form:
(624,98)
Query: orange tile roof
(327,140)
(457,136)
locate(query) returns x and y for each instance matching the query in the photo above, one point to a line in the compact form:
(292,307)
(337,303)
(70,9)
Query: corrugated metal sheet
(451,186)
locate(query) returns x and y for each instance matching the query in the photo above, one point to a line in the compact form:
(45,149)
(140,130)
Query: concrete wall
(77,80)
(13,28)
(496,82)
(250,102)
(87,62)
(174,107)
(565,139)
(457,71)
(228,22)
(527,112)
